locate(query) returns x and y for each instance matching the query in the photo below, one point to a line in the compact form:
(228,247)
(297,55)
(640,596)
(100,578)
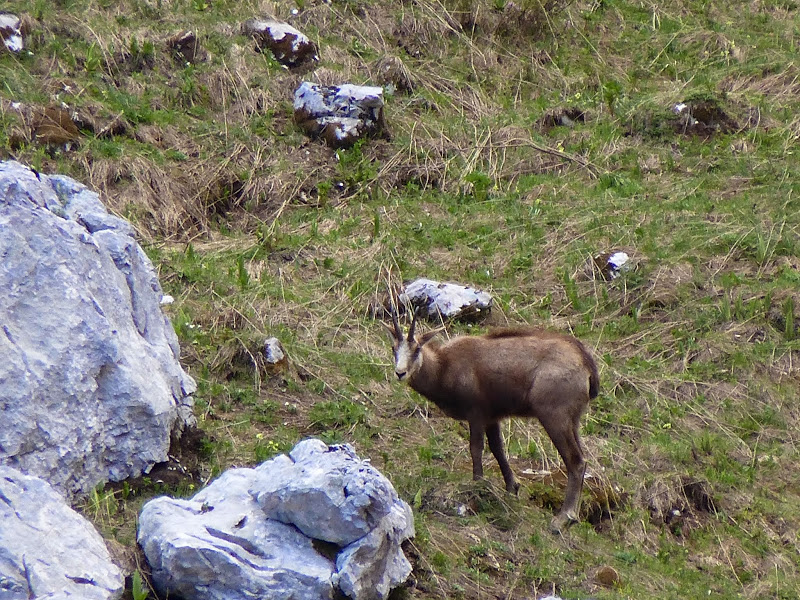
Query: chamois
(515,372)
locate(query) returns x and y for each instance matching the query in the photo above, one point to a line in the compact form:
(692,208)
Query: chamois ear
(427,337)
(390,330)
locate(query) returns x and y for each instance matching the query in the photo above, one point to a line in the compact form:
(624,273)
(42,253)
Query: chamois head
(407,348)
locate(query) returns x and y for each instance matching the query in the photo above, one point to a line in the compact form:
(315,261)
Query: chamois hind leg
(476,432)
(495,438)
(563,432)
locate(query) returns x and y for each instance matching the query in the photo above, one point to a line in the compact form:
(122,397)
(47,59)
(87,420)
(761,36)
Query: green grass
(258,232)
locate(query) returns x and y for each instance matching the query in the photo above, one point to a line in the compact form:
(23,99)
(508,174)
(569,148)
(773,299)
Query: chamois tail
(594,382)
(594,377)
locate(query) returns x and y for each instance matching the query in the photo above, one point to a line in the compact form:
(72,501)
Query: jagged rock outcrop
(289,46)
(47,550)
(92,390)
(312,524)
(10,33)
(437,300)
(340,114)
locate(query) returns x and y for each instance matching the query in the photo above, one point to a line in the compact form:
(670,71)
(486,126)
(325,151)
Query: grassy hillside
(693,443)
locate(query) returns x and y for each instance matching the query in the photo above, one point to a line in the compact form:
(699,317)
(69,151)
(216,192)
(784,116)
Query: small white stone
(618,260)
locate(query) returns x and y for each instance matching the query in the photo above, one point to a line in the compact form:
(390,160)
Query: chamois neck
(425,378)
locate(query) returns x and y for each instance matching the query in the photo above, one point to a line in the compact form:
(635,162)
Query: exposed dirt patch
(668,284)
(566,117)
(679,504)
(703,117)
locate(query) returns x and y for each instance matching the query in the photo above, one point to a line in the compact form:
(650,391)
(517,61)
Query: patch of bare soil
(667,284)
(187,464)
(701,117)
(566,117)
(679,504)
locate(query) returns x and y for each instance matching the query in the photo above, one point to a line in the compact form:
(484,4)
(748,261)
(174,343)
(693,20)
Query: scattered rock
(92,387)
(446,300)
(340,114)
(612,264)
(274,354)
(186,47)
(11,32)
(49,550)
(312,524)
(607,577)
(290,47)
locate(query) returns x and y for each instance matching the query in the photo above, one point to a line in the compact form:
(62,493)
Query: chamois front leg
(495,438)
(476,433)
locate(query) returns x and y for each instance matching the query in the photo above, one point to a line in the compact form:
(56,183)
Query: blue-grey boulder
(47,550)
(446,301)
(92,390)
(312,524)
(340,114)
(10,33)
(219,545)
(290,47)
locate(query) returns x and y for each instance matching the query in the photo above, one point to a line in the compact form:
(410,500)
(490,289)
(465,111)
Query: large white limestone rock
(92,390)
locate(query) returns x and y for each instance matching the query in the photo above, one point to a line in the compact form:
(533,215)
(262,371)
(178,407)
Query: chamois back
(544,334)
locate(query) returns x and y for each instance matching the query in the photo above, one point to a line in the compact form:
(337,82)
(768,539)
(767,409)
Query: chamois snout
(405,358)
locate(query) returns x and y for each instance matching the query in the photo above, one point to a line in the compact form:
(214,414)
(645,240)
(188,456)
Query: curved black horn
(413,324)
(398,333)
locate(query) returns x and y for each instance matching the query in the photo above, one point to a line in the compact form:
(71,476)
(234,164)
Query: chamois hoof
(561,522)
(513,488)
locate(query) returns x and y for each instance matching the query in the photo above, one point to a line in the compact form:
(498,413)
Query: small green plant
(571,290)
(102,504)
(265,450)
(94,59)
(242,274)
(481,184)
(612,91)
(138,590)
(337,414)
(141,55)
(376,225)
